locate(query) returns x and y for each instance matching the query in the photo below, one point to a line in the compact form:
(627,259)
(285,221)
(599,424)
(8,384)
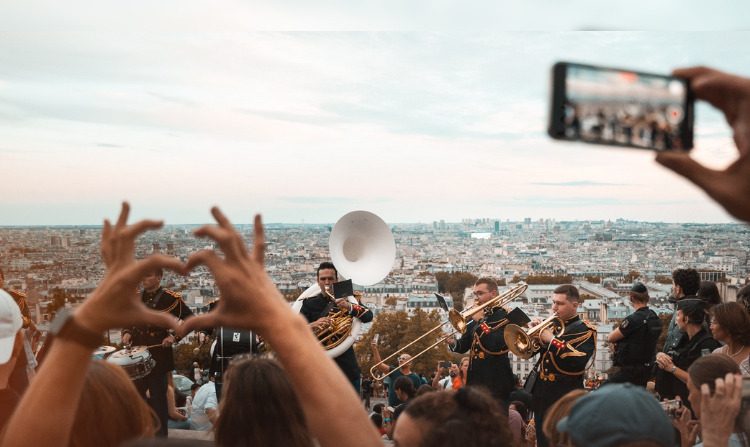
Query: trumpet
(524,343)
(458,320)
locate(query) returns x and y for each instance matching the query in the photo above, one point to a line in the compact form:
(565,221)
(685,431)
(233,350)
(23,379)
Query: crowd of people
(305,398)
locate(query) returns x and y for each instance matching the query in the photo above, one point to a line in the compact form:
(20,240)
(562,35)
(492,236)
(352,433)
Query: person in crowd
(555,413)
(685,284)
(705,371)
(616,415)
(424,389)
(251,301)
(469,416)
(177,420)
(377,420)
(722,411)
(366,391)
(260,407)
(563,359)
(489,365)
(197,373)
(317,310)
(459,381)
(204,411)
(730,324)
(442,379)
(636,339)
(404,369)
(743,297)
(708,292)
(11,349)
(153,387)
(19,379)
(405,392)
(517,426)
(671,379)
(110,410)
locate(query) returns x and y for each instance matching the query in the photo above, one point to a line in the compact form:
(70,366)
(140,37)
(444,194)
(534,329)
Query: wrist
(672,369)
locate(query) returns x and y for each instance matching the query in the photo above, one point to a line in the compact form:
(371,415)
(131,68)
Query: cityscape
(58,266)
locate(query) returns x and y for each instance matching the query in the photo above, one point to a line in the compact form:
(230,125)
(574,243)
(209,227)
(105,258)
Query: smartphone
(672,407)
(445,364)
(617,107)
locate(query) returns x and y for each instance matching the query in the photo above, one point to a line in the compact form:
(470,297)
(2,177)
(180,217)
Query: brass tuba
(363,249)
(524,343)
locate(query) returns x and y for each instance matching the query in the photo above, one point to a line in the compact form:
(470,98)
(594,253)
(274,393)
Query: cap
(10,322)
(617,414)
(691,305)
(638,287)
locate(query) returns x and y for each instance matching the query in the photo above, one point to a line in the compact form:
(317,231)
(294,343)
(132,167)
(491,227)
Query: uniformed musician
(317,309)
(636,340)
(155,383)
(564,359)
(489,365)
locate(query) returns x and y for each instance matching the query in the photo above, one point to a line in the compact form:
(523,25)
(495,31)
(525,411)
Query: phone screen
(621,107)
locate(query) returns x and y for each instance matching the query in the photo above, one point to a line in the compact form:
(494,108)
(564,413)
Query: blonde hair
(110,411)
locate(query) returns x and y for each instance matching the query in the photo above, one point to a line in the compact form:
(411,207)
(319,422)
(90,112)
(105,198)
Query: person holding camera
(636,340)
(672,376)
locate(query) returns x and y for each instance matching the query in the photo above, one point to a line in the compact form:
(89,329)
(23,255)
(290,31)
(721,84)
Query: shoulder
(17,294)
(173,294)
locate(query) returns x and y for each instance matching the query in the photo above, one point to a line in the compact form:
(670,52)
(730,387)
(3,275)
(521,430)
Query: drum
(102,352)
(136,361)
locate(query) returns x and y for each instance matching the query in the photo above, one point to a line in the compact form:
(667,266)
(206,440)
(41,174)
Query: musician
(636,340)
(563,359)
(155,383)
(317,309)
(489,365)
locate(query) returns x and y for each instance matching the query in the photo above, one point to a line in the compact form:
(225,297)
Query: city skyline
(306,123)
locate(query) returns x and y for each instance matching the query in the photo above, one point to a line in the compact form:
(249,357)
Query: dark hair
(743,296)
(405,385)
(491,283)
(468,416)
(570,291)
(734,320)
(2,274)
(706,369)
(688,279)
(260,407)
(377,419)
(708,292)
(694,314)
(324,266)
(521,409)
(425,389)
(378,408)
(640,297)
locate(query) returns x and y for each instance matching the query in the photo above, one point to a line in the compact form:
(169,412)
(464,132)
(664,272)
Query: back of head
(743,297)
(259,407)
(405,385)
(734,320)
(688,279)
(110,411)
(708,368)
(616,415)
(708,292)
(555,413)
(462,418)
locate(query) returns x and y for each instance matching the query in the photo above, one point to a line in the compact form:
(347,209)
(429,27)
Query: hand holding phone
(621,108)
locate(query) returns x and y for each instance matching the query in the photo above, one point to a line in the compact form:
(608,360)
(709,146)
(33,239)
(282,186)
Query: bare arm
(55,391)
(251,301)
(615,336)
(376,356)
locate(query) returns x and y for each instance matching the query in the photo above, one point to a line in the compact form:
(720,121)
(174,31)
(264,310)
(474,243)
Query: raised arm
(251,301)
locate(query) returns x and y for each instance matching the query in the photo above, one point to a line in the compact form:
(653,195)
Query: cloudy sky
(415,111)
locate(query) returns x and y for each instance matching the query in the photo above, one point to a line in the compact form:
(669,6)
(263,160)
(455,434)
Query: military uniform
(635,353)
(489,365)
(162,300)
(561,368)
(318,307)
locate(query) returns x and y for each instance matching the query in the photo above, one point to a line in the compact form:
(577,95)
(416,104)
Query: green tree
(455,283)
(594,279)
(661,279)
(632,276)
(187,353)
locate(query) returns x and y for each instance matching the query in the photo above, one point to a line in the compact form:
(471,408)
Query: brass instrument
(338,327)
(524,343)
(459,321)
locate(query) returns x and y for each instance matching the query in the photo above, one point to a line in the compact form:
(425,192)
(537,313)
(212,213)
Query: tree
(594,279)
(632,276)
(455,284)
(396,330)
(187,353)
(661,279)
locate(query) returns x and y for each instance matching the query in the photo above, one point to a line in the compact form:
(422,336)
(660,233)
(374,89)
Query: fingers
(160,319)
(138,228)
(210,319)
(259,240)
(229,241)
(693,72)
(687,167)
(122,220)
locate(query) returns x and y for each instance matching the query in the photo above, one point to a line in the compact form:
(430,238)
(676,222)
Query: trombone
(459,321)
(525,343)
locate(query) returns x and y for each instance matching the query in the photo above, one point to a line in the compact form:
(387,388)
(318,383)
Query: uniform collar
(572,319)
(149,295)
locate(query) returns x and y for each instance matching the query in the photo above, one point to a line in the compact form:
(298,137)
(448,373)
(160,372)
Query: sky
(304,111)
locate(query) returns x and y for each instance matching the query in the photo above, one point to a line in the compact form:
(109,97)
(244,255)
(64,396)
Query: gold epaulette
(17,294)
(173,293)
(589,325)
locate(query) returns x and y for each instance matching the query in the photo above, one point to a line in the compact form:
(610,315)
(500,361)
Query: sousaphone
(363,249)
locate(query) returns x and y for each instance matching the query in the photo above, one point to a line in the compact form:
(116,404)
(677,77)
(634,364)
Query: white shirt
(205,398)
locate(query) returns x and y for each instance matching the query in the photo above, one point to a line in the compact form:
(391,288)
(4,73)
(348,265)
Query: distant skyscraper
(497,227)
